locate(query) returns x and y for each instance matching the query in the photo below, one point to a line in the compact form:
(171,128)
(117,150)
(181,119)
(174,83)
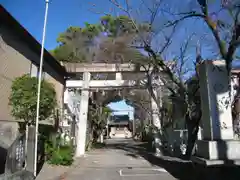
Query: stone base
(218,150)
(207,162)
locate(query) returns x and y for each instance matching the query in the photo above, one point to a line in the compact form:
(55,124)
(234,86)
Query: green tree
(120,40)
(23,99)
(97,121)
(108,41)
(75,43)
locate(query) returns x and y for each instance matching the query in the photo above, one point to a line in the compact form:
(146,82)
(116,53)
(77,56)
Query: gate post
(30,149)
(83,115)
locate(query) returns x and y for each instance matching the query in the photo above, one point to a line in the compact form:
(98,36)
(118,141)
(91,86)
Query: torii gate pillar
(83,115)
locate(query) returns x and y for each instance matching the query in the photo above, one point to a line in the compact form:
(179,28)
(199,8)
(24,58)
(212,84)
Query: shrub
(62,156)
(58,154)
(23,99)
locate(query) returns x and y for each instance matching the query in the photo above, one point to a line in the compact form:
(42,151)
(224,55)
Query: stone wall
(8,133)
(13,64)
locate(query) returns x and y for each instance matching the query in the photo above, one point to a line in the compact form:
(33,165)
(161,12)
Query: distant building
(119,120)
(120,126)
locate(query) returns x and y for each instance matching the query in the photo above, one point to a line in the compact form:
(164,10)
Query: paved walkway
(118,161)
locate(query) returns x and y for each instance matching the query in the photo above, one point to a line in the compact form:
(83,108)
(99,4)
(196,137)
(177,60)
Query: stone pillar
(83,115)
(217,138)
(30,149)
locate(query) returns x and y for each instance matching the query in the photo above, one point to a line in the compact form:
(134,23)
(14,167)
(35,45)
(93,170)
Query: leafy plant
(62,156)
(58,154)
(98,119)
(23,99)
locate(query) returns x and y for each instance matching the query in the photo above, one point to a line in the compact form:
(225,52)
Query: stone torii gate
(86,85)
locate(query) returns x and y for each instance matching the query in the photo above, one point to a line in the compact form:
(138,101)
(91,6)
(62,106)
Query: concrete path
(118,161)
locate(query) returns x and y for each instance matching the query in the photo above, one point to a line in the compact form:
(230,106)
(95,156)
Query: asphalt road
(118,161)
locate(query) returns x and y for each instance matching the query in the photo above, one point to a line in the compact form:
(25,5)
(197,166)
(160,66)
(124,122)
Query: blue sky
(62,14)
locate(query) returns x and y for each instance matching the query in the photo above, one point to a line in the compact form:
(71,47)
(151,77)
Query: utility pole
(39,87)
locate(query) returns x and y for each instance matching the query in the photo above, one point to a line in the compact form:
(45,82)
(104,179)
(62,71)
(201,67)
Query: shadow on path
(179,168)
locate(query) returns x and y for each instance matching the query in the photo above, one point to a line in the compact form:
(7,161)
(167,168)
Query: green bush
(23,99)
(63,155)
(59,154)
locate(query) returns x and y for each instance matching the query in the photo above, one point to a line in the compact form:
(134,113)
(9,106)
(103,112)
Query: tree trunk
(193,127)
(192,137)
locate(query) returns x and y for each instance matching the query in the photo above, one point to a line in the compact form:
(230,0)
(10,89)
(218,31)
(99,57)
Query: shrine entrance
(104,83)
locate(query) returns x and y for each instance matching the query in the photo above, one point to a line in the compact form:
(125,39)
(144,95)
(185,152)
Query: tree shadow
(175,166)
(179,168)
